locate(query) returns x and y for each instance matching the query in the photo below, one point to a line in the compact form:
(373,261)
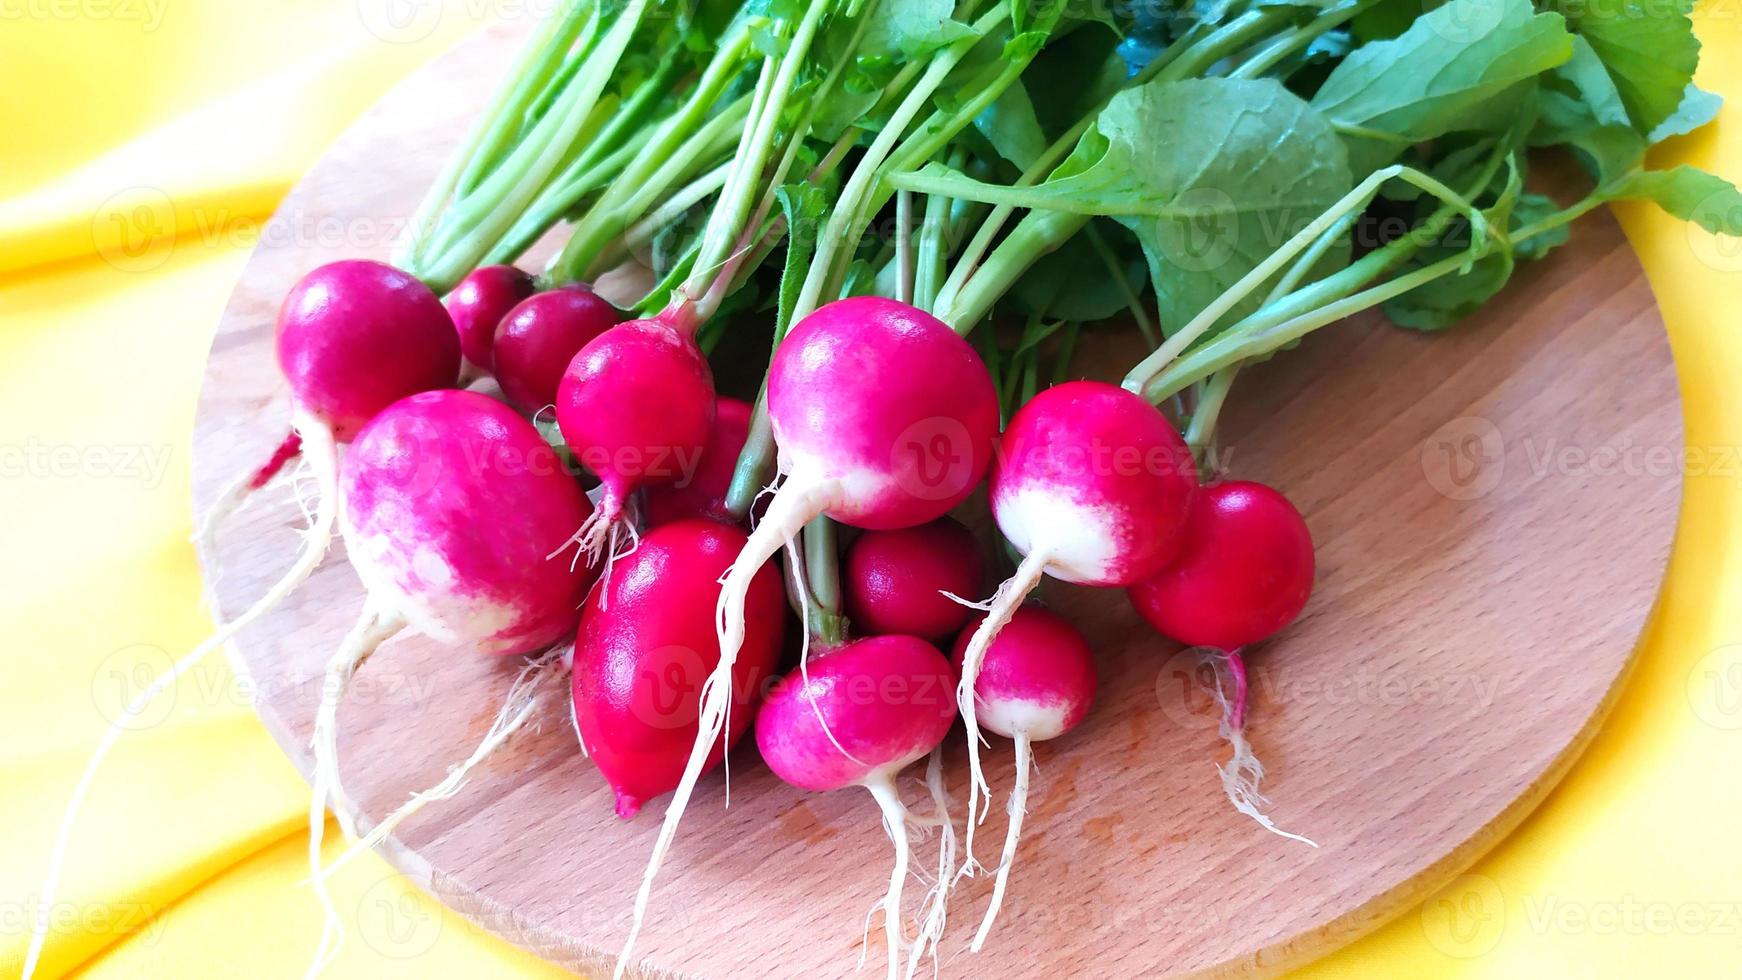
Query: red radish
(538,338)
(1243,574)
(703,492)
(1092,486)
(861,714)
(452,503)
(903,581)
(647,643)
(884,418)
(480,302)
(636,407)
(352,338)
(1036,683)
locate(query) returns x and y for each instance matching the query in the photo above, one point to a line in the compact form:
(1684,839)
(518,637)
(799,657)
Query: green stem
(1297,39)
(1037,234)
(1203,424)
(1116,268)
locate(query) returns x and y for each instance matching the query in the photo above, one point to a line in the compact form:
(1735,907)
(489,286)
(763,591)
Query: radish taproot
(702,492)
(452,505)
(884,418)
(858,716)
(907,581)
(1092,486)
(1244,572)
(636,407)
(536,340)
(647,643)
(1036,683)
(478,305)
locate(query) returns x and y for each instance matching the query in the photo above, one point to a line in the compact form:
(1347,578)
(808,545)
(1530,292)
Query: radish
(1036,683)
(884,418)
(352,338)
(702,493)
(860,715)
(644,650)
(904,581)
(1243,573)
(480,302)
(636,407)
(452,503)
(1092,486)
(536,340)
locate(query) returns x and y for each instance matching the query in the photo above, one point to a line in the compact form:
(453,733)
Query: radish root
(1018,809)
(519,707)
(882,787)
(1003,606)
(800,500)
(237,494)
(322,454)
(1241,775)
(935,907)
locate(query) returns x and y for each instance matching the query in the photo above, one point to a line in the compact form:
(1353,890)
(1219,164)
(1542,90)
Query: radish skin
(884,418)
(1092,485)
(821,732)
(906,581)
(478,305)
(702,492)
(536,340)
(1036,683)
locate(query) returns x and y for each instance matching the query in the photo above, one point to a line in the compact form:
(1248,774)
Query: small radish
(1092,486)
(452,506)
(884,418)
(636,407)
(1036,683)
(702,493)
(536,340)
(903,581)
(858,716)
(644,650)
(1244,572)
(480,302)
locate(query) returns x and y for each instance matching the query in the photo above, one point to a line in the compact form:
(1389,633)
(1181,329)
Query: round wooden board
(1493,509)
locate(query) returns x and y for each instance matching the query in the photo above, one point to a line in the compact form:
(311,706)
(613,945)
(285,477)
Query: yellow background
(190,853)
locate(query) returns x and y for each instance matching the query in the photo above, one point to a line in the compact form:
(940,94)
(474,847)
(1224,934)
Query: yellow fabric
(146,139)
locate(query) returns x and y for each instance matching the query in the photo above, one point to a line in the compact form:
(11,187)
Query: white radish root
(1241,775)
(895,822)
(934,909)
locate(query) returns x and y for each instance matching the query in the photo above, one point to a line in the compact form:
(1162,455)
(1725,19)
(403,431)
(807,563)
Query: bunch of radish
(845,178)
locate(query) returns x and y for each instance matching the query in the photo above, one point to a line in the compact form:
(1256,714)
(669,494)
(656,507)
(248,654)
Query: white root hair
(1242,773)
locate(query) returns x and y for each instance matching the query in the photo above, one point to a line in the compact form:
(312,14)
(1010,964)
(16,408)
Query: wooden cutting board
(1493,509)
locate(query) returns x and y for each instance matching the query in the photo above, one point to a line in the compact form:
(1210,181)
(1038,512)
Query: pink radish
(636,407)
(536,340)
(1243,574)
(478,305)
(352,338)
(702,493)
(645,648)
(452,505)
(904,581)
(1036,683)
(1092,486)
(884,418)
(858,716)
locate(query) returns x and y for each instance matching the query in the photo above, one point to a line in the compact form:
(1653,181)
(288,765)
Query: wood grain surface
(1493,509)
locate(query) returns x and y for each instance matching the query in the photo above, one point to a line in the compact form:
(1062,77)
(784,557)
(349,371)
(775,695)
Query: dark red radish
(636,407)
(647,643)
(858,716)
(884,418)
(1243,574)
(1092,486)
(478,305)
(908,581)
(536,340)
(1036,683)
(702,493)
